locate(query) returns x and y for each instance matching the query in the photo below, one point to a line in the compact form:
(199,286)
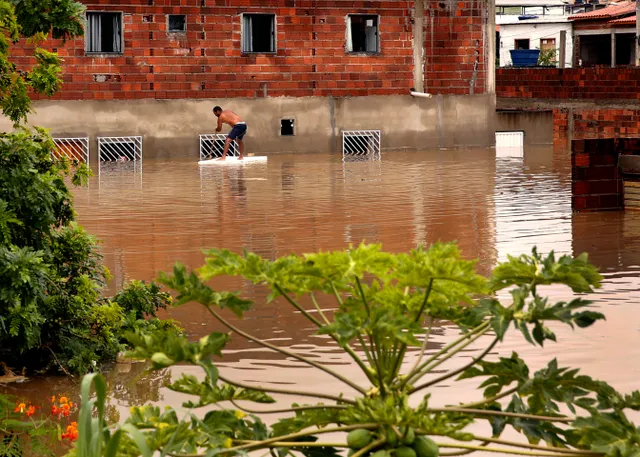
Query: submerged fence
(361,143)
(212,146)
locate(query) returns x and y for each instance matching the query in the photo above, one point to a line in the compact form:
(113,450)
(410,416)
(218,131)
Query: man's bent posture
(239,128)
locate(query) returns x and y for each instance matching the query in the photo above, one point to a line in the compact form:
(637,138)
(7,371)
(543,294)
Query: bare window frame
(87,34)
(348,47)
(243,32)
(183,31)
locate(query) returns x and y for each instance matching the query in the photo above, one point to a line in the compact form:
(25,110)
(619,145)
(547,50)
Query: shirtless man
(239,128)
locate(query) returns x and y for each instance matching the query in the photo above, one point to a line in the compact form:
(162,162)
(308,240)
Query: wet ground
(303,203)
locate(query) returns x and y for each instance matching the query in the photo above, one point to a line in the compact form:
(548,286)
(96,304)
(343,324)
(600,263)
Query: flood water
(305,203)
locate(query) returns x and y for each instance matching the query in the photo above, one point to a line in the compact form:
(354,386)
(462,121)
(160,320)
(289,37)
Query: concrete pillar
(490,47)
(613,48)
(562,54)
(418,46)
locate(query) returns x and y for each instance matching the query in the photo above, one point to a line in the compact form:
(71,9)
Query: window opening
(286,127)
(362,33)
(548,44)
(177,23)
(104,33)
(521,44)
(258,33)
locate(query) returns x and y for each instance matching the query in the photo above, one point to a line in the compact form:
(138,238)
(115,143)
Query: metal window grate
(120,148)
(212,145)
(510,144)
(72,148)
(362,143)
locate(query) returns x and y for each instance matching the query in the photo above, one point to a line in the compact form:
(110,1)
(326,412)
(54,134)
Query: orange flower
(63,400)
(71,433)
(53,399)
(20,408)
(30,411)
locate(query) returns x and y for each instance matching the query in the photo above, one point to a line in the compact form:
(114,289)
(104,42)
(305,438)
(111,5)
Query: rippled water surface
(303,203)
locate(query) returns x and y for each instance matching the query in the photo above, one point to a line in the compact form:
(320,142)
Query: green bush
(51,310)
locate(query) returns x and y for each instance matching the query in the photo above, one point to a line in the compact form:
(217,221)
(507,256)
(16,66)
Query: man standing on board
(238,129)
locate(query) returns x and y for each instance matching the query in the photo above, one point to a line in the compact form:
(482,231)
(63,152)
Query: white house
(536,24)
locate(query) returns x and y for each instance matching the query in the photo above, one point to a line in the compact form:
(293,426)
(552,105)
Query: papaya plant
(385,309)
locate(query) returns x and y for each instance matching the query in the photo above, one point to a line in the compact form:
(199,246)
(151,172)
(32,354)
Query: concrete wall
(171,127)
(537,125)
(534,32)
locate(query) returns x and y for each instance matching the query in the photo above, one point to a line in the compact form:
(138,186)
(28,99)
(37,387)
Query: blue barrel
(524,57)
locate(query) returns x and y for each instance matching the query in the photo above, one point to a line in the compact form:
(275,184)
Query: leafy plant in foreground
(384,304)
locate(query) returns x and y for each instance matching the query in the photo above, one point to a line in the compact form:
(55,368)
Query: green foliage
(548,57)
(34,20)
(51,310)
(385,303)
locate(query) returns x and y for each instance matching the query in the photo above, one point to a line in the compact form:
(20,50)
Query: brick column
(596,181)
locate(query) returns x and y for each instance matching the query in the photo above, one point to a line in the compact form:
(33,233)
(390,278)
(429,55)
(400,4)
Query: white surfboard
(231,160)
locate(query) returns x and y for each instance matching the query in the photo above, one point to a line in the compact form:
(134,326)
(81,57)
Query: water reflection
(303,203)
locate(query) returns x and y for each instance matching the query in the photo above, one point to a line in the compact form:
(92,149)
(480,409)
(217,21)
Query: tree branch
(287,392)
(535,446)
(490,400)
(286,410)
(370,447)
(285,351)
(488,412)
(403,347)
(295,444)
(480,328)
(456,371)
(509,451)
(265,443)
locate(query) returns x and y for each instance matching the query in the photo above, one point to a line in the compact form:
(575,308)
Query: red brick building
(156,67)
(253,48)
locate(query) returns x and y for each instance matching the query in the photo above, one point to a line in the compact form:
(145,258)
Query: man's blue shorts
(238,131)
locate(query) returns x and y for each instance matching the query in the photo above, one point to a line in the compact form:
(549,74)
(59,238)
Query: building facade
(153,66)
(606,36)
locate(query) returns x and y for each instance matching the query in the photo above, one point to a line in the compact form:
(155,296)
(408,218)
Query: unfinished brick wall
(207,61)
(454,47)
(596,180)
(597,83)
(598,136)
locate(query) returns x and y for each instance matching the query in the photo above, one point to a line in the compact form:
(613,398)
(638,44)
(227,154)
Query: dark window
(286,127)
(104,32)
(521,44)
(259,33)
(362,33)
(177,23)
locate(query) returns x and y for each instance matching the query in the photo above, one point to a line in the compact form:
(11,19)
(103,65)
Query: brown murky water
(303,203)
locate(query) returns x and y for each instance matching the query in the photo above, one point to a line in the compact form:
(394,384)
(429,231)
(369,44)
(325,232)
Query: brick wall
(596,180)
(598,137)
(454,47)
(207,61)
(600,83)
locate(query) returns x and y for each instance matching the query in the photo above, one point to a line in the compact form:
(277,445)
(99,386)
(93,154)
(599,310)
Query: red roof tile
(630,20)
(609,12)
